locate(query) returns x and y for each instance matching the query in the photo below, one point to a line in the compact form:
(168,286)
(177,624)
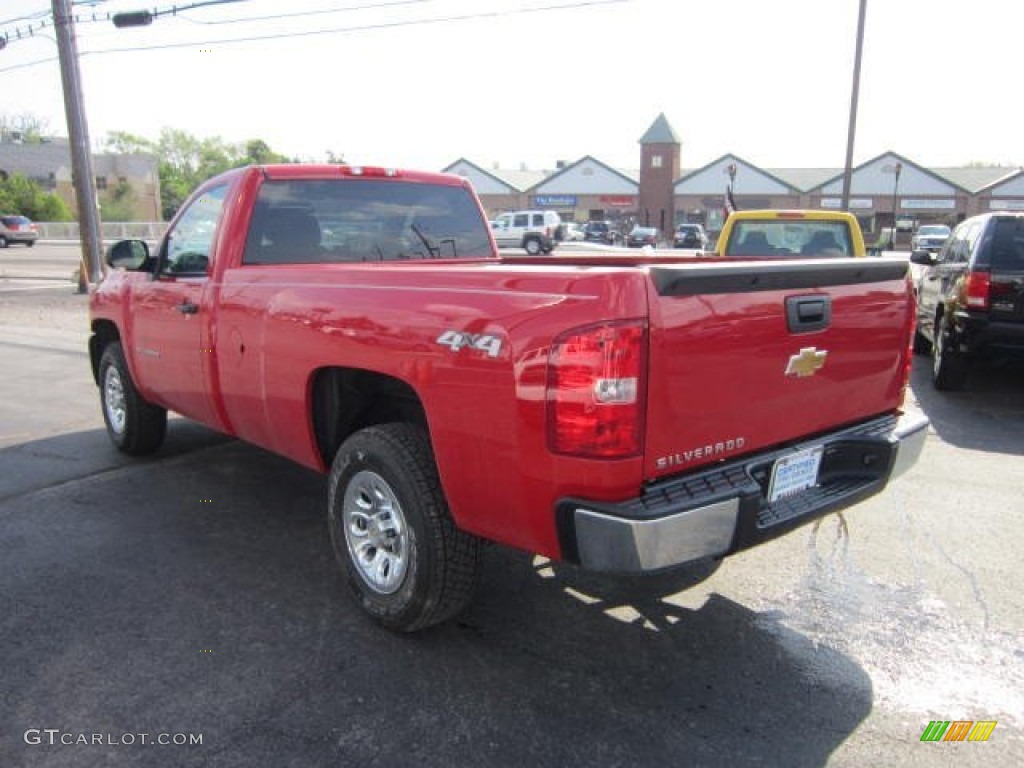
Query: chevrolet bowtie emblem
(807,363)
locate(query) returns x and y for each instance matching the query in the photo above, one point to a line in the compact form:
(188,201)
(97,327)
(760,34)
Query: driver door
(171,317)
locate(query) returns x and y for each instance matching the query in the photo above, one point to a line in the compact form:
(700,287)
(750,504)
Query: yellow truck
(773,233)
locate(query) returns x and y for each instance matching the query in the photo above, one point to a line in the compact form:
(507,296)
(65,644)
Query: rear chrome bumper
(725,509)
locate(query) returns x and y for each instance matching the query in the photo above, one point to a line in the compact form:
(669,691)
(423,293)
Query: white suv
(532,230)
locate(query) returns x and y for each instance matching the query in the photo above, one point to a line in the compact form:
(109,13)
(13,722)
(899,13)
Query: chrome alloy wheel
(375,532)
(113,400)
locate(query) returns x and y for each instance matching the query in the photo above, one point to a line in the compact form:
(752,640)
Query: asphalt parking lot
(195,594)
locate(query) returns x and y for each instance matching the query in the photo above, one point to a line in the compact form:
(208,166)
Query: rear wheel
(408,564)
(134,425)
(949,364)
(3,241)
(532,246)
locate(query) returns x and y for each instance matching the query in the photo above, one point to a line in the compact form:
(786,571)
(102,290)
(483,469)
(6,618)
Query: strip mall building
(661,194)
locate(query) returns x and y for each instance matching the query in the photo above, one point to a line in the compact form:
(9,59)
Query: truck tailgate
(746,356)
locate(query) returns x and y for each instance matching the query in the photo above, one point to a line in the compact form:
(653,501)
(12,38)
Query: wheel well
(346,400)
(103,332)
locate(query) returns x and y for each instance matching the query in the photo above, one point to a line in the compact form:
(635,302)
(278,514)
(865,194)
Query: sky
(526,83)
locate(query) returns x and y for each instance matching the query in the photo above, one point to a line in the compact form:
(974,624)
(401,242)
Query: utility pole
(848,170)
(81,151)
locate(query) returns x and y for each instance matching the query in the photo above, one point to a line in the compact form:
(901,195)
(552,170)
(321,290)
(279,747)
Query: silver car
(17,229)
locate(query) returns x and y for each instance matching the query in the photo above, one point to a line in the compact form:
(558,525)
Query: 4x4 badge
(807,363)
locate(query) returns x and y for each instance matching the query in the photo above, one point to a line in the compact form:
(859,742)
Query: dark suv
(600,232)
(970,298)
(690,236)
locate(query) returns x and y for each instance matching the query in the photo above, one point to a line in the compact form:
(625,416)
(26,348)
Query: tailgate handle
(805,314)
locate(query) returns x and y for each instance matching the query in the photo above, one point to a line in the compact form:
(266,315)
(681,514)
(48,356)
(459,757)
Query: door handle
(187,308)
(808,313)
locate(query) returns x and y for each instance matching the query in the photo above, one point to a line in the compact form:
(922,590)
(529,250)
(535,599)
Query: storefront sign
(1002,204)
(858,203)
(940,204)
(554,201)
(619,201)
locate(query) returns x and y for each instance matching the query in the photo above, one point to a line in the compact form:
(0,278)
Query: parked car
(970,296)
(690,236)
(570,232)
(532,230)
(643,236)
(17,229)
(930,237)
(600,232)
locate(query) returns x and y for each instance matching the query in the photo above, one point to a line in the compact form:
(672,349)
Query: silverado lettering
(685,457)
(361,322)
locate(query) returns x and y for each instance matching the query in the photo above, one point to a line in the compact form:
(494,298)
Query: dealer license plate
(794,473)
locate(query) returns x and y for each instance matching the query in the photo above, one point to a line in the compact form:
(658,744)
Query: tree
(21,195)
(185,161)
(29,128)
(119,203)
(258,153)
(124,143)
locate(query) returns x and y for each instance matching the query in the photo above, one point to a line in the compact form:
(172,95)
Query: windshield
(789,237)
(345,220)
(936,230)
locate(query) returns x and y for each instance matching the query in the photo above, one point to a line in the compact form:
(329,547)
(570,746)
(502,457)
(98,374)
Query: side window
(521,220)
(538,220)
(953,247)
(188,244)
(971,240)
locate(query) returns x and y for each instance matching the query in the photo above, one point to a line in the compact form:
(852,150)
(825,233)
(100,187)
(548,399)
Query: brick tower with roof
(659,169)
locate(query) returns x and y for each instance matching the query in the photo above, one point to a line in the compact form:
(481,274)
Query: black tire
(949,364)
(3,241)
(134,425)
(532,246)
(921,344)
(30,243)
(408,564)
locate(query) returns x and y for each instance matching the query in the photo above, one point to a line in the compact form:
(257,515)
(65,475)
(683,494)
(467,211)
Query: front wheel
(134,425)
(408,564)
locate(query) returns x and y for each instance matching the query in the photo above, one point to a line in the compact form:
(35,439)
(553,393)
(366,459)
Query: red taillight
(595,391)
(976,290)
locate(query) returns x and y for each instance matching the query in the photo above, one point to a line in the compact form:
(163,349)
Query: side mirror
(128,254)
(924,258)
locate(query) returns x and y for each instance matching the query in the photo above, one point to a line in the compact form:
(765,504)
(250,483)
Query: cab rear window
(788,237)
(1006,249)
(300,221)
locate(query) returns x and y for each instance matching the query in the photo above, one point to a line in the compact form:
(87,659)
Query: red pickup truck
(624,412)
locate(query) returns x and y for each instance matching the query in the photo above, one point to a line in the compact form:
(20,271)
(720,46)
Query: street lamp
(894,169)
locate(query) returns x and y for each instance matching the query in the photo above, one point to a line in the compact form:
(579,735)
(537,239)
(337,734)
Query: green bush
(23,196)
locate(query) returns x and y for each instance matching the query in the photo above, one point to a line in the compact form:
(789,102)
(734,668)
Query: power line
(28,17)
(367,27)
(336,30)
(294,14)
